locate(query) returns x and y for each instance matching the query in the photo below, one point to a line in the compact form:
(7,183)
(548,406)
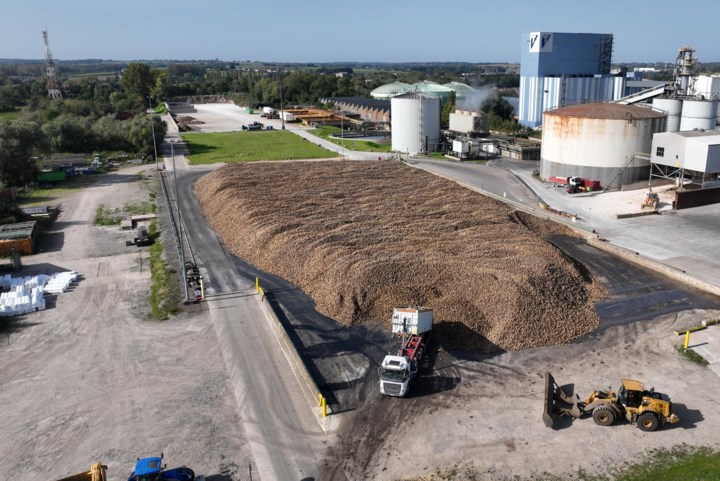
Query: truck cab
(396,373)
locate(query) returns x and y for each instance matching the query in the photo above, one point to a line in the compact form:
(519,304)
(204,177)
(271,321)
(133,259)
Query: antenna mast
(53,84)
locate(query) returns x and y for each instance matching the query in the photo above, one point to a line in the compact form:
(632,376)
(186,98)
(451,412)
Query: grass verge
(358,145)
(105,216)
(209,148)
(693,356)
(678,464)
(164,295)
(10,114)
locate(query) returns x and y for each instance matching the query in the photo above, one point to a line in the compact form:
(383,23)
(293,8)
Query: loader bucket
(557,402)
(549,400)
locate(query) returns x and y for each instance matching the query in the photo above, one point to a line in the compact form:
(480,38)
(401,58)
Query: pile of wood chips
(363,237)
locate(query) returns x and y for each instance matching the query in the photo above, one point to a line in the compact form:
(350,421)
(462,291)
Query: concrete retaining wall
(655,266)
(310,389)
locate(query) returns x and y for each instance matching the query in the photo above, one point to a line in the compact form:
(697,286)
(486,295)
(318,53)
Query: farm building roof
(18,230)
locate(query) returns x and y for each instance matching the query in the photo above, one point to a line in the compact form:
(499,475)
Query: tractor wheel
(603,415)
(647,422)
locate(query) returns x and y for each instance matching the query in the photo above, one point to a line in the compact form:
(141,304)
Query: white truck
(397,372)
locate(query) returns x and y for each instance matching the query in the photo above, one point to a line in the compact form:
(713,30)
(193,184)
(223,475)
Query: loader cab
(631,393)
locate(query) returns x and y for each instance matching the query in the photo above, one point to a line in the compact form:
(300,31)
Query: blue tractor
(152,469)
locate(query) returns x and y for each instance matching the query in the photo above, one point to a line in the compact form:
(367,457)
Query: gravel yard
(89,379)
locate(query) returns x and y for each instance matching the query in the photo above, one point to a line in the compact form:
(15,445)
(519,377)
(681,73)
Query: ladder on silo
(422,124)
(618,172)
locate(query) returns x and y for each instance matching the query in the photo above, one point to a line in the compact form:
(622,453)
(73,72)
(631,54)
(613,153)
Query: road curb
(655,266)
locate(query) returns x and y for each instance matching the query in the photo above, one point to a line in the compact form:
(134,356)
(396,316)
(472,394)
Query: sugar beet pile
(362,237)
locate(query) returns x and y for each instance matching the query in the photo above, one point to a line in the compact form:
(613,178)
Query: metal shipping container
(412,320)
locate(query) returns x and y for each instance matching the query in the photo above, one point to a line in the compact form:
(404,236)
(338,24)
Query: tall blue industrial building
(559,69)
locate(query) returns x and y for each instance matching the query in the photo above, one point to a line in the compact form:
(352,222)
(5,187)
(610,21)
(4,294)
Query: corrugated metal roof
(458,86)
(390,89)
(430,87)
(17,231)
(710,137)
(606,111)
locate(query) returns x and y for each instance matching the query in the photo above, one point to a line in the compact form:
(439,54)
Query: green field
(250,146)
(10,114)
(358,145)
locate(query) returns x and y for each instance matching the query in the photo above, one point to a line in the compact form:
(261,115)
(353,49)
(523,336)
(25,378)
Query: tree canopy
(19,142)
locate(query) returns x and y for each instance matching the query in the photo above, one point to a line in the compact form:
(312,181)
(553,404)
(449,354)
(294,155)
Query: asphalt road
(284,436)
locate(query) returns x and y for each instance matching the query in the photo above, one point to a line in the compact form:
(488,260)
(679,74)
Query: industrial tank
(388,90)
(699,114)
(673,107)
(415,122)
(599,141)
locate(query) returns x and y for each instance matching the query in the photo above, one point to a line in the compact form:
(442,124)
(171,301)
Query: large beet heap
(362,237)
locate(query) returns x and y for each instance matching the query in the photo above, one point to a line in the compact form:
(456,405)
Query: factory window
(660,152)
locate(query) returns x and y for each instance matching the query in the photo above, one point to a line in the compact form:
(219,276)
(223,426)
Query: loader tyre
(603,415)
(648,422)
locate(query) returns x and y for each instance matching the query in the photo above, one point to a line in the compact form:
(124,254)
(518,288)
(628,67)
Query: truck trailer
(398,371)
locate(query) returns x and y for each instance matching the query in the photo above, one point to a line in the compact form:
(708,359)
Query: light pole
(342,135)
(282,111)
(152,126)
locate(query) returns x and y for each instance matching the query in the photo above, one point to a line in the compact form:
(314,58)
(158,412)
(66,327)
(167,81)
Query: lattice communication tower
(53,83)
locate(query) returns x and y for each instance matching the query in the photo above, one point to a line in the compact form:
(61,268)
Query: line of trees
(94,116)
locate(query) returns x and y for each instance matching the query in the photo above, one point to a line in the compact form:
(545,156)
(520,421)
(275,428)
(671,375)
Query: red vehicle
(576,184)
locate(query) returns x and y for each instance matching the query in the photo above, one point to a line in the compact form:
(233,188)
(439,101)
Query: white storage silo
(673,108)
(699,114)
(415,122)
(599,142)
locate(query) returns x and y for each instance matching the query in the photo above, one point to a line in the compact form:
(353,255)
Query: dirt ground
(362,237)
(487,425)
(89,379)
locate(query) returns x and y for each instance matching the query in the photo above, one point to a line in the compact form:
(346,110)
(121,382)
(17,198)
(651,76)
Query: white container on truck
(397,372)
(268,110)
(288,117)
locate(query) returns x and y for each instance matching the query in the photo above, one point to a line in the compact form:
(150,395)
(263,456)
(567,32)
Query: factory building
(468,123)
(368,110)
(601,141)
(692,156)
(559,69)
(690,101)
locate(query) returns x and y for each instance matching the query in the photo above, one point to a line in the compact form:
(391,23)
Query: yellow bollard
(257,284)
(687,340)
(324,407)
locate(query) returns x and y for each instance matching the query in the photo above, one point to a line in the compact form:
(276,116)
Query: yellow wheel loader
(646,408)
(98,472)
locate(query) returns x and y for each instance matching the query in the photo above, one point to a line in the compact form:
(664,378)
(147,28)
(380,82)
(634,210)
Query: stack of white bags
(22,295)
(60,282)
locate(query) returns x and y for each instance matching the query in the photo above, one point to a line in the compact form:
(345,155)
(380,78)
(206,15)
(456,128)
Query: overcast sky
(328,31)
